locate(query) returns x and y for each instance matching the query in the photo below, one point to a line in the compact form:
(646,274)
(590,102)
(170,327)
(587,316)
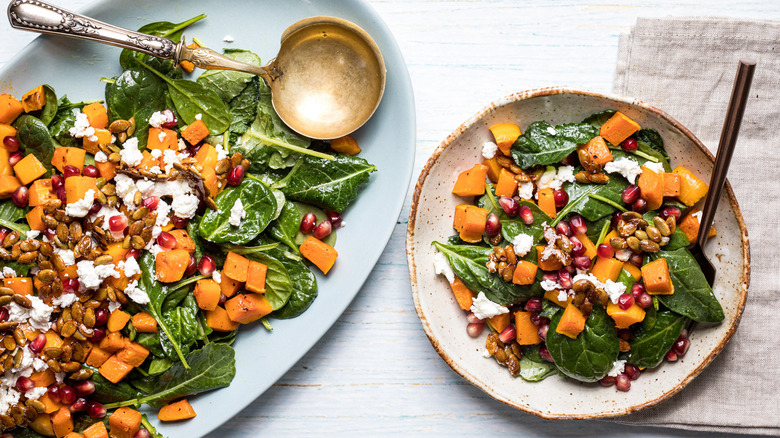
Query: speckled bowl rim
(541,92)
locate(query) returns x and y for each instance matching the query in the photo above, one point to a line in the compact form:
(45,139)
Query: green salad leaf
(693,296)
(259,204)
(542,143)
(278,285)
(35,139)
(582,202)
(136,93)
(229,83)
(304,284)
(286,226)
(649,345)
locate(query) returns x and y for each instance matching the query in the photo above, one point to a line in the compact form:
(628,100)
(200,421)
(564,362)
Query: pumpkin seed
(67,354)
(89,317)
(8,422)
(38,406)
(6,291)
(54,365)
(52,352)
(30,245)
(672,222)
(653,233)
(18,356)
(68,329)
(46,276)
(22,301)
(662,226)
(5,299)
(131,129)
(28,257)
(103,260)
(31,413)
(641,235)
(9,343)
(136,228)
(82,374)
(16,251)
(649,246)
(118,126)
(85,243)
(137,242)
(71,367)
(51,205)
(8,362)
(11,238)
(633,243)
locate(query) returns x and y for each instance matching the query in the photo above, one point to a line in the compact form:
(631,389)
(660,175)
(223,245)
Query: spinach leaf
(212,367)
(286,226)
(136,93)
(35,139)
(651,316)
(590,356)
(692,295)
(594,228)
(259,204)
(10,215)
(21,269)
(49,111)
(304,284)
(60,127)
(152,342)
(652,139)
(542,143)
(591,209)
(278,284)
(165,29)
(599,118)
(183,328)
(532,371)
(157,366)
(243,110)
(229,83)
(626,278)
(512,227)
(649,346)
(107,392)
(332,185)
(468,263)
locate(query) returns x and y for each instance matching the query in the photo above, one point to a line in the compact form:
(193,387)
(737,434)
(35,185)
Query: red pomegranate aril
(15,158)
(90,171)
(607,381)
(545,353)
(67,394)
(142,433)
(666,212)
(96,206)
(637,260)
(334,217)
(622,383)
(645,301)
(192,266)
(117,222)
(98,335)
(70,285)
(526,215)
(542,332)
(11,143)
(54,392)
(550,276)
(308,222)
(37,344)
(61,195)
(21,196)
(538,320)
(322,230)
(508,335)
(170,119)
(96,410)
(577,248)
(564,278)
(510,206)
(166,240)
(222,298)
(533,305)
(563,228)
(80,405)
(632,372)
(4,232)
(561,198)
(206,266)
(570,160)
(24,384)
(582,262)
(474,329)
(472,318)
(681,346)
(492,225)
(630,193)
(577,225)
(640,205)
(151,202)
(57,181)
(4,314)
(625,301)
(671,356)
(101,317)
(235,176)
(605,251)
(179,222)
(134,253)
(84,388)
(70,170)
(637,289)
(629,144)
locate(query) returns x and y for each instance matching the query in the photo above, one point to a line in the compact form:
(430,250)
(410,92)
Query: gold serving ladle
(326,81)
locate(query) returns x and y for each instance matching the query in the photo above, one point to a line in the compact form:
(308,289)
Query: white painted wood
(375,371)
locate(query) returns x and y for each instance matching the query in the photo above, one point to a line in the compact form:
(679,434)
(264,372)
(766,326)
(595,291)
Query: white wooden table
(375,373)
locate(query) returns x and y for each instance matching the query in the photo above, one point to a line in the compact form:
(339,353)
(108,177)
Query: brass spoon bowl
(326,81)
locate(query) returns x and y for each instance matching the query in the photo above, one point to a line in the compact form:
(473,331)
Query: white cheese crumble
(182,145)
(161,136)
(36,393)
(101,157)
(221,152)
(135,293)
(198,116)
(65,300)
(555,179)
(68,257)
(157,119)
(562,295)
(186,206)
(33,234)
(522,244)
(655,167)
(130,267)
(37,316)
(486,354)
(483,308)
(549,285)
(8,272)
(216,276)
(156,153)
(489,149)
(237,214)
(617,368)
(623,254)
(113,305)
(91,276)
(525,190)
(125,189)
(627,167)
(228,39)
(130,153)
(82,129)
(81,207)
(442,267)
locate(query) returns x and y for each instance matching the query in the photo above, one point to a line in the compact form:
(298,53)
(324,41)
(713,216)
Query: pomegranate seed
(37,344)
(67,394)
(570,160)
(564,278)
(54,392)
(235,176)
(684,333)
(96,206)
(632,372)
(563,228)
(308,222)
(21,196)
(630,193)
(101,317)
(671,356)
(542,332)
(533,305)
(577,224)
(526,215)
(70,285)
(222,298)
(510,206)
(117,223)
(80,405)
(170,119)
(57,181)
(538,320)
(61,194)
(49,233)
(24,384)
(472,318)
(577,248)
(474,329)
(70,170)
(134,253)
(334,217)
(84,388)
(96,410)
(561,198)
(637,289)
(637,260)
(151,202)
(322,230)
(206,266)
(192,266)
(142,433)
(629,144)
(666,212)
(98,335)
(681,346)
(550,276)
(166,240)
(179,222)
(4,232)
(625,301)
(622,383)
(607,381)
(508,335)
(640,205)
(582,262)
(605,251)
(616,216)
(11,143)
(645,301)
(492,225)
(4,314)
(545,353)
(90,171)
(15,158)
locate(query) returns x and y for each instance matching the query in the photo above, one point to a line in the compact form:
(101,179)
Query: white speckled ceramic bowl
(445,323)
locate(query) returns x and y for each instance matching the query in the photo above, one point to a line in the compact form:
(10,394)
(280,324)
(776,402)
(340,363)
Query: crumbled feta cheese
(101,157)
(623,254)
(33,234)
(82,129)
(126,189)
(130,267)
(113,305)
(489,149)
(221,152)
(81,207)
(65,300)
(186,207)
(555,178)
(156,153)
(522,243)
(8,397)
(228,39)
(483,308)
(237,214)
(155,170)
(8,272)
(130,153)
(68,257)
(562,295)
(551,130)
(161,136)
(182,145)
(135,293)
(216,276)
(39,364)
(177,187)
(163,210)
(655,167)
(157,119)
(37,316)
(92,276)
(525,190)
(549,285)
(617,368)
(697,215)
(614,290)
(155,249)
(36,393)
(198,116)
(627,167)
(442,267)
(486,354)
(60,377)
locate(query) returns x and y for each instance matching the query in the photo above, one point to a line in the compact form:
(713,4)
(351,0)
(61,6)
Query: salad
(140,232)
(571,247)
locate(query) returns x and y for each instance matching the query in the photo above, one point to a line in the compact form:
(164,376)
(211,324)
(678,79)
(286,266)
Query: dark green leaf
(10,215)
(330,239)
(532,371)
(49,111)
(592,209)
(259,204)
(136,93)
(243,110)
(286,226)
(512,227)
(651,315)
(278,284)
(692,295)
(165,29)
(158,366)
(652,139)
(649,346)
(538,144)
(599,118)
(192,99)
(626,278)
(304,285)
(229,83)
(107,392)
(35,139)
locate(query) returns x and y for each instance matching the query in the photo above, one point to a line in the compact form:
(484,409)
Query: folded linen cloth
(686,67)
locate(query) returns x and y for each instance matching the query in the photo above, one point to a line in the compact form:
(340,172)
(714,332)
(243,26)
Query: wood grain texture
(375,373)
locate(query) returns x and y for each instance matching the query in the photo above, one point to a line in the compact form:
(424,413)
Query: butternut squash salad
(143,230)
(574,252)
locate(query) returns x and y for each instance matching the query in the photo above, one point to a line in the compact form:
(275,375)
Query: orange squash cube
(64,156)
(207,292)
(494,169)
(183,240)
(500,321)
(20,285)
(10,108)
(28,169)
(691,187)
(170,265)
(505,135)
(595,151)
(144,322)
(624,318)
(463,295)
(41,192)
(97,430)
(219,320)
(62,422)
(180,410)
(550,264)
(34,99)
(35,219)
(255,277)
(572,322)
(229,287)
(134,354)
(471,182)
(546,202)
(97,357)
(506,186)
(552,295)
(474,222)
(525,273)
(345,145)
(527,331)
(6,131)
(8,185)
(124,423)
(236,266)
(78,186)
(114,370)
(651,187)
(590,247)
(607,269)
(117,320)
(96,114)
(107,170)
(246,308)
(618,128)
(207,156)
(195,132)
(103,138)
(633,270)
(672,184)
(657,279)
(320,253)
(162,139)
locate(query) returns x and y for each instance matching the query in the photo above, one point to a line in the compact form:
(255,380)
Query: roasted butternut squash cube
(144,322)
(607,269)
(320,253)
(76,187)
(505,135)
(246,308)
(656,277)
(134,354)
(229,287)
(183,240)
(219,320)
(162,139)
(345,145)
(549,263)
(624,318)
(195,132)
(180,410)
(10,108)
(207,293)
(62,422)
(463,295)
(691,187)
(506,186)
(113,342)
(546,202)
(594,154)
(500,322)
(171,265)
(527,331)
(34,99)
(41,192)
(20,285)
(103,137)
(117,320)
(97,430)
(68,156)
(618,128)
(97,357)
(235,266)
(552,295)
(494,169)
(633,270)
(107,170)
(28,169)
(6,131)
(590,247)
(525,273)
(471,182)
(124,423)
(474,222)
(96,114)
(672,184)
(35,219)
(572,322)
(255,277)
(114,370)
(651,187)
(8,185)
(207,156)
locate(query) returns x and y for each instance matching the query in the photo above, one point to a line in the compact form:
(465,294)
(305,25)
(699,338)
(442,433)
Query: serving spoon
(326,81)
(728,142)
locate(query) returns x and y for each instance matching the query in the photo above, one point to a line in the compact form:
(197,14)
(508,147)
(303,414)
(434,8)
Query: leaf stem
(184,24)
(288,146)
(148,67)
(108,80)
(603,233)
(267,324)
(198,41)
(607,201)
(646,156)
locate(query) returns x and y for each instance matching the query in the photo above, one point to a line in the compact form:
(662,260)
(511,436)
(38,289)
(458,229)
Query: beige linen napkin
(686,67)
